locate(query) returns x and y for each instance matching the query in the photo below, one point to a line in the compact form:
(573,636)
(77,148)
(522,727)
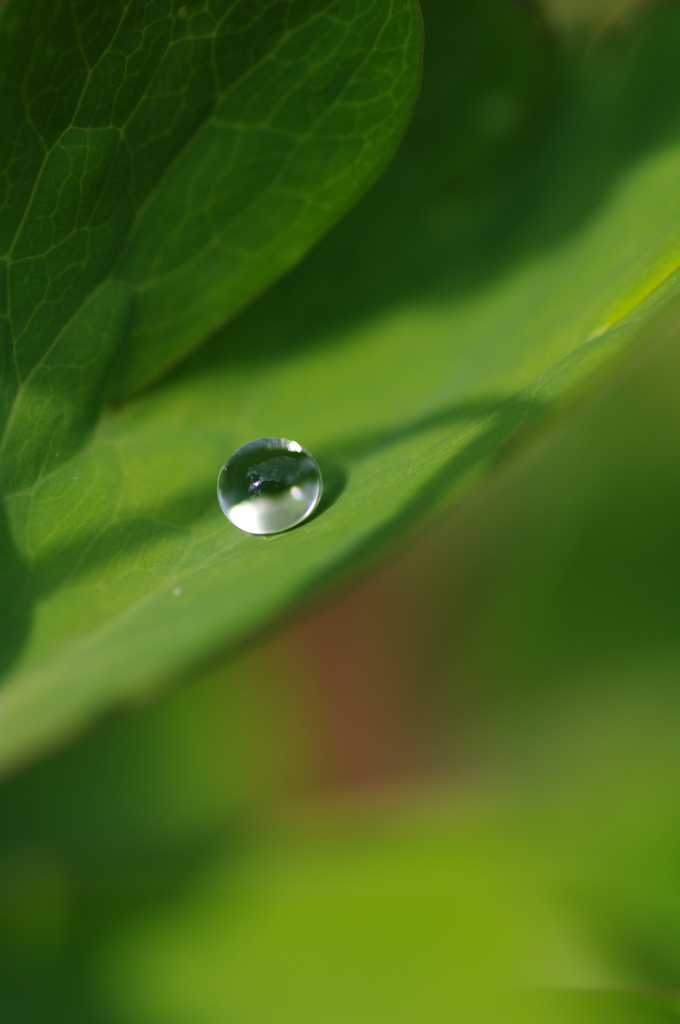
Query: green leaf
(527,230)
(162,164)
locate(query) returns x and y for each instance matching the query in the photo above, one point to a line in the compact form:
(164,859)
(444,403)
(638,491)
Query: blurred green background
(449,792)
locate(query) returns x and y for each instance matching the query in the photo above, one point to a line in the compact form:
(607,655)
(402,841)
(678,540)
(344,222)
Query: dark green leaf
(177,157)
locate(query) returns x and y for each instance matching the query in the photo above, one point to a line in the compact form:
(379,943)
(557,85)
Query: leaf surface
(527,230)
(162,163)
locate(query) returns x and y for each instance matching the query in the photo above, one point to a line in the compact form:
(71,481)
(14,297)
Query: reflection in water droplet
(269,485)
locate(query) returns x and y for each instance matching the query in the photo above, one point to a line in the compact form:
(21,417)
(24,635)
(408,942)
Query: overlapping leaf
(173,159)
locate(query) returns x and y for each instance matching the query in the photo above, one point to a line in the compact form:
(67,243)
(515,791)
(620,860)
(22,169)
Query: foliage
(527,226)
(526,231)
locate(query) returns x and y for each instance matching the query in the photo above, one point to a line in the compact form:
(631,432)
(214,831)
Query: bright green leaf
(527,230)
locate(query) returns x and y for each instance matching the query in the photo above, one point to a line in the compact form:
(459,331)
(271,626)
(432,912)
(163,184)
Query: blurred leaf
(122,823)
(596,13)
(403,918)
(354,925)
(527,230)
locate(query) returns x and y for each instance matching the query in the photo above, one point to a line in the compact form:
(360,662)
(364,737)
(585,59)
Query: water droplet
(269,485)
(177,592)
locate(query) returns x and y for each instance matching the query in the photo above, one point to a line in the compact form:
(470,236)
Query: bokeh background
(447,791)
